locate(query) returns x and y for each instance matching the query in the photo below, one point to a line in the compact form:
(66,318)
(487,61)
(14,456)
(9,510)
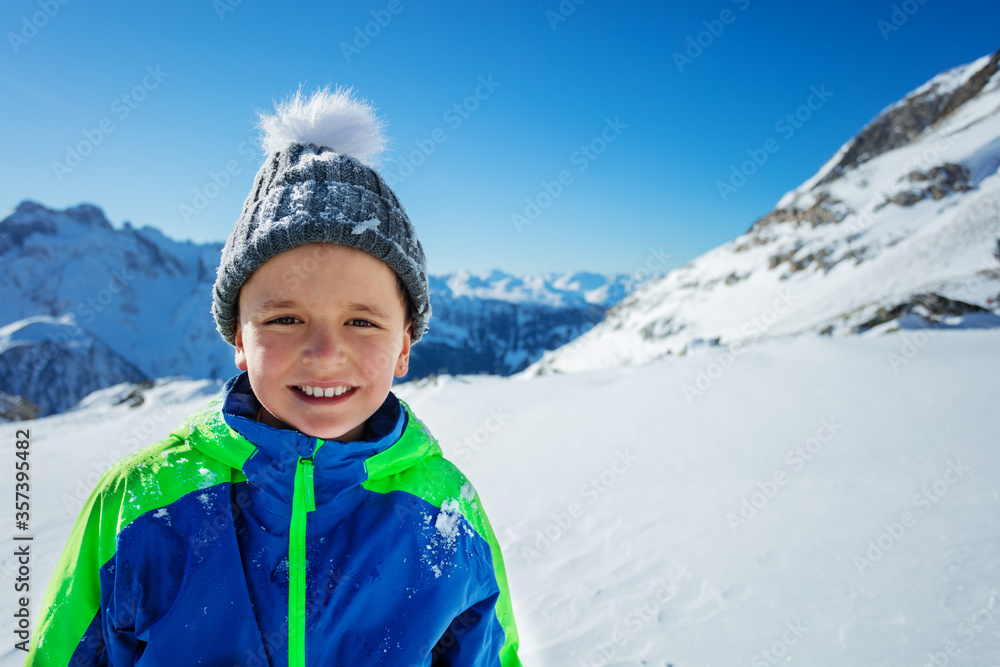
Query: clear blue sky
(653,186)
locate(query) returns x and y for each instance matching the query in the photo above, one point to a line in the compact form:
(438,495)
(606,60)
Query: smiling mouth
(323,392)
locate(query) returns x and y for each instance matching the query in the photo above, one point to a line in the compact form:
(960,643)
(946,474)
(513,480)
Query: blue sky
(162,96)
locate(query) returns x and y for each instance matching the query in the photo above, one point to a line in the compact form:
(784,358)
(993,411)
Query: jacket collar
(339,467)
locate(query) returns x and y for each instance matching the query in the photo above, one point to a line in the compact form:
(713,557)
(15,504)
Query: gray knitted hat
(315,186)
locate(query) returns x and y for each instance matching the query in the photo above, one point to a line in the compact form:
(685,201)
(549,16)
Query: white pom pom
(333,119)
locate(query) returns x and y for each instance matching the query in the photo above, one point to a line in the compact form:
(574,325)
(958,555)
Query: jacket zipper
(303,502)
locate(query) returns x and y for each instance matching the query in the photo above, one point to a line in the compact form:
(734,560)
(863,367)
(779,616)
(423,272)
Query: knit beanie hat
(317,185)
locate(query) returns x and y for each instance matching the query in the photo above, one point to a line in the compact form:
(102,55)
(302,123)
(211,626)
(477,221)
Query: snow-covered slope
(903,220)
(821,502)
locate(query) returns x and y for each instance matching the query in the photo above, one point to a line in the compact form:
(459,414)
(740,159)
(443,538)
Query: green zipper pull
(307,484)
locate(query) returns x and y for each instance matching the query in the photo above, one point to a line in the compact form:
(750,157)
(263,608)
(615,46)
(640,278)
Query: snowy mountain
(817,503)
(900,229)
(139,306)
(552,289)
(54,362)
(145,296)
(498,323)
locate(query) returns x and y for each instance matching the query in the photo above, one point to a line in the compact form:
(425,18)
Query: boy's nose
(325,347)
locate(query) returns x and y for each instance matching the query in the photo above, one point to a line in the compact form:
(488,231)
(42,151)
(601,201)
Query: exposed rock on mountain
(899,229)
(16,408)
(919,111)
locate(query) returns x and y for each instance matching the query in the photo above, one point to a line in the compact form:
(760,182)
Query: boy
(304,517)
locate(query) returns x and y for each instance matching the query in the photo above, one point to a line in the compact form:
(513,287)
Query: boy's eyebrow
(375,311)
(278,304)
(283,304)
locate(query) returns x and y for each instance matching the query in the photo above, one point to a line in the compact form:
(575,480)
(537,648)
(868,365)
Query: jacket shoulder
(159,474)
(416,465)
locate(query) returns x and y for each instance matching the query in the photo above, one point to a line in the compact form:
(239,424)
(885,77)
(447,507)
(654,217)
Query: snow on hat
(317,185)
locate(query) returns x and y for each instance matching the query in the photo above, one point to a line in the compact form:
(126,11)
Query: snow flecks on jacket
(447,521)
(443,535)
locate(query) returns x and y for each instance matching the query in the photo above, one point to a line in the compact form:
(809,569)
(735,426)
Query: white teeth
(324,392)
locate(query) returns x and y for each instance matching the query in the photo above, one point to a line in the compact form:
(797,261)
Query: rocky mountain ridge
(899,229)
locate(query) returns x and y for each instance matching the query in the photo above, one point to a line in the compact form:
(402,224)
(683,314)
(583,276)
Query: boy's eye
(358,322)
(284,319)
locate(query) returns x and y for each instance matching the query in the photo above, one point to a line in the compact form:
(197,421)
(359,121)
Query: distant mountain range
(86,306)
(900,229)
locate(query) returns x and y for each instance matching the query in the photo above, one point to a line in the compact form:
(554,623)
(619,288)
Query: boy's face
(318,318)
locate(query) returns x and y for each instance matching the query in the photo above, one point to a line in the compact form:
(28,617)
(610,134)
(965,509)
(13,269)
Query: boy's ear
(404,355)
(241,356)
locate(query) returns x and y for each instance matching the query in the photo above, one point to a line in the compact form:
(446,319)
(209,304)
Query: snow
(131,289)
(984,161)
(448,520)
(162,513)
(39,329)
(361,227)
(614,492)
(626,534)
(951,80)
